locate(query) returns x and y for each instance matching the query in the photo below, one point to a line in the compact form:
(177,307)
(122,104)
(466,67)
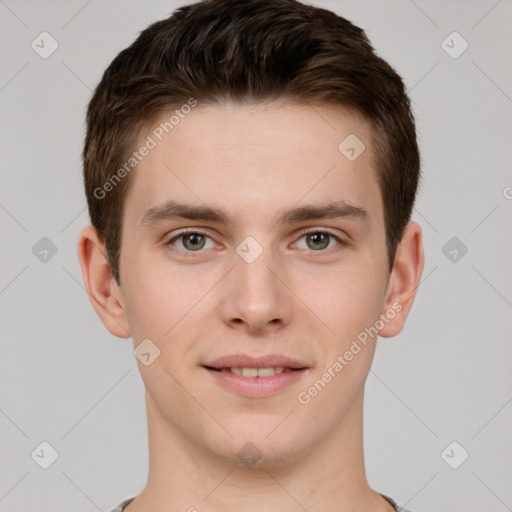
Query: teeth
(249,372)
(257,372)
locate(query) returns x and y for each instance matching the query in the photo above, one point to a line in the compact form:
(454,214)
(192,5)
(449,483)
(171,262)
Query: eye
(320,240)
(192,241)
(195,241)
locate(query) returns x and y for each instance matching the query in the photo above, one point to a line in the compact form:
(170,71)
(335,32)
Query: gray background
(65,380)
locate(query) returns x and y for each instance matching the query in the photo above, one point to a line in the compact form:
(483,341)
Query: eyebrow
(172,209)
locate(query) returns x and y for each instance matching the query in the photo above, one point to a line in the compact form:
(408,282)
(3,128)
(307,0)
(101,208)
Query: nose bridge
(255,296)
(252,267)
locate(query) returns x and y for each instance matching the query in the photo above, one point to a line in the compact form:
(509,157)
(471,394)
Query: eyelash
(341,242)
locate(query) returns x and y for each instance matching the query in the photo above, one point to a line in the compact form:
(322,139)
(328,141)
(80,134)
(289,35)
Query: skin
(295,300)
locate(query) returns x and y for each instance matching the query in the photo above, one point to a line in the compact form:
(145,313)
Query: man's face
(301,289)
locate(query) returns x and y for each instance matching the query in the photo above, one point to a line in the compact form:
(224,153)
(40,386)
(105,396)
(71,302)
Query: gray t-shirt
(123,504)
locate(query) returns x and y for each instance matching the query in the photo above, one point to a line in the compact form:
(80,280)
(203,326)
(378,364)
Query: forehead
(255,160)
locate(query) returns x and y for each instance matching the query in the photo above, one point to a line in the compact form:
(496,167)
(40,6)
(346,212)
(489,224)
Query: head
(238,111)
(248,52)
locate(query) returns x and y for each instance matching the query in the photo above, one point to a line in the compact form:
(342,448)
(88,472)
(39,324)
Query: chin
(262,448)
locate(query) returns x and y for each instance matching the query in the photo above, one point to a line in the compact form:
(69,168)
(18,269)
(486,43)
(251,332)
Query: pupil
(191,241)
(318,238)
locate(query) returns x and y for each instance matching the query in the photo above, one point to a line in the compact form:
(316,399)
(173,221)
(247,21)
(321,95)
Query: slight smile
(256,376)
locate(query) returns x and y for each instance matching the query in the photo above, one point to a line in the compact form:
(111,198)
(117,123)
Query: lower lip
(256,386)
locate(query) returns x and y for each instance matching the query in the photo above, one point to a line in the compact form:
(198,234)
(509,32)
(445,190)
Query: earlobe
(103,292)
(404,280)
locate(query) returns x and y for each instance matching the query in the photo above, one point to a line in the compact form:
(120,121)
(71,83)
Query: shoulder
(123,504)
(397,507)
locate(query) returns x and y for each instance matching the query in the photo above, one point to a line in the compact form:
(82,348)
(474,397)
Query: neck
(330,477)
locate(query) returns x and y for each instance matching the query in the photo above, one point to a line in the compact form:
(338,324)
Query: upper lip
(246,361)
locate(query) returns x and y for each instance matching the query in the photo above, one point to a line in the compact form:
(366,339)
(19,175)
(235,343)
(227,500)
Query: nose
(254,297)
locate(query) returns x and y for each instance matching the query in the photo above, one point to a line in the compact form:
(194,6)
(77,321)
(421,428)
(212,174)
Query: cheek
(156,298)
(349,306)
(345,300)
(157,310)
(170,306)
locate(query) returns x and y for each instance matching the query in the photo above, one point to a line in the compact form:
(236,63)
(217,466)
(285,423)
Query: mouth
(269,371)
(255,377)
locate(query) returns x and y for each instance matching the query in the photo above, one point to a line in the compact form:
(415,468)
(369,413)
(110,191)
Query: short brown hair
(247,51)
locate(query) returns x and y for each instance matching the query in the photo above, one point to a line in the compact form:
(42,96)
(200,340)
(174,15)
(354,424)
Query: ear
(102,289)
(404,280)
